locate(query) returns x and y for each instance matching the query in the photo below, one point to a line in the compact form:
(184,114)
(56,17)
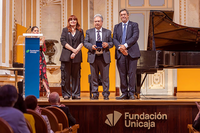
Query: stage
(151,114)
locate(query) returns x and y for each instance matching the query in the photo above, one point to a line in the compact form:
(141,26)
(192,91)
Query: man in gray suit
(99,58)
(127,52)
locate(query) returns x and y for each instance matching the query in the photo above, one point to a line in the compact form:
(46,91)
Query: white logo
(113,118)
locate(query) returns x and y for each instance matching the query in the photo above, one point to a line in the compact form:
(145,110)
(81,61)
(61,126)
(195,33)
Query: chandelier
(47,2)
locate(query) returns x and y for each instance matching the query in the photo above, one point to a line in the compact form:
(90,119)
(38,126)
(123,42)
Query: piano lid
(170,36)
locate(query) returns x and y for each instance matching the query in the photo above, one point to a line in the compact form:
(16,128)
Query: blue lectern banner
(32,55)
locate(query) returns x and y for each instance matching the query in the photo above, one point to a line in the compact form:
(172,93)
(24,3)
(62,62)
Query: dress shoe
(106,98)
(95,97)
(66,97)
(123,96)
(76,97)
(132,97)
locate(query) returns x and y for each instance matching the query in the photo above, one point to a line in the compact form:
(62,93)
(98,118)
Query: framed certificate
(99,44)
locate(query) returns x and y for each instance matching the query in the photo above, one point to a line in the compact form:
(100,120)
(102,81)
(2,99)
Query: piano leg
(138,86)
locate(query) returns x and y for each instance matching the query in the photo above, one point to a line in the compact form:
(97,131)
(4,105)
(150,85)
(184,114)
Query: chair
(29,126)
(191,129)
(5,127)
(66,130)
(55,126)
(40,123)
(74,128)
(62,118)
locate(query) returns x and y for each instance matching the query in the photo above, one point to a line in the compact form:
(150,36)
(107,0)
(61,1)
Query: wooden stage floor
(144,100)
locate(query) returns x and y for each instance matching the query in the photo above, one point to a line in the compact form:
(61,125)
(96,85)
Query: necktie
(98,39)
(124,34)
(98,36)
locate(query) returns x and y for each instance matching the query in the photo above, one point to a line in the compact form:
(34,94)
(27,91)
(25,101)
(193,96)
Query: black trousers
(71,71)
(127,71)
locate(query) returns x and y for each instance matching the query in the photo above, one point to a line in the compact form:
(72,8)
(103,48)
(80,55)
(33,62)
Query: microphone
(28,29)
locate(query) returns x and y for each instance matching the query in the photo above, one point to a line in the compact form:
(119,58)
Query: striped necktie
(98,36)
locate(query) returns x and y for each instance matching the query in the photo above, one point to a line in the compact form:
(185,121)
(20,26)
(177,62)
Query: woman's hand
(72,55)
(75,51)
(42,40)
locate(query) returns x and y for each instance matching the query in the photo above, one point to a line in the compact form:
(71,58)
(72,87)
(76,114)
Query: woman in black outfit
(72,39)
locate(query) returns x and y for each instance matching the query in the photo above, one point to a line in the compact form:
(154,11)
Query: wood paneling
(91,118)
(34,12)
(10,33)
(18,11)
(68,9)
(4,32)
(28,13)
(77,10)
(85,15)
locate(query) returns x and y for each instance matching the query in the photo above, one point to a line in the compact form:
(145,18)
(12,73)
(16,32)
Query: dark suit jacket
(71,119)
(132,35)
(90,40)
(67,38)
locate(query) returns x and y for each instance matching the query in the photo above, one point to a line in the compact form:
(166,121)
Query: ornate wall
(51,18)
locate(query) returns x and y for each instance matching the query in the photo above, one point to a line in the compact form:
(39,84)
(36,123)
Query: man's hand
(122,47)
(94,47)
(62,105)
(104,44)
(123,50)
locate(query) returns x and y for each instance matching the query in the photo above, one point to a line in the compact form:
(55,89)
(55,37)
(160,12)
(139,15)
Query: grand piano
(170,45)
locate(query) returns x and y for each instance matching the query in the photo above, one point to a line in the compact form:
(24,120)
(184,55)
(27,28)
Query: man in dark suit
(99,58)
(54,100)
(127,52)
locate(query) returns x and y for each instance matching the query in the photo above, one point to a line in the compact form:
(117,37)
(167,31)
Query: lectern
(31,64)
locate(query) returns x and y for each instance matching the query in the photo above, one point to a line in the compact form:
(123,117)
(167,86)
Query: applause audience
(32,103)
(196,123)
(54,100)
(15,118)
